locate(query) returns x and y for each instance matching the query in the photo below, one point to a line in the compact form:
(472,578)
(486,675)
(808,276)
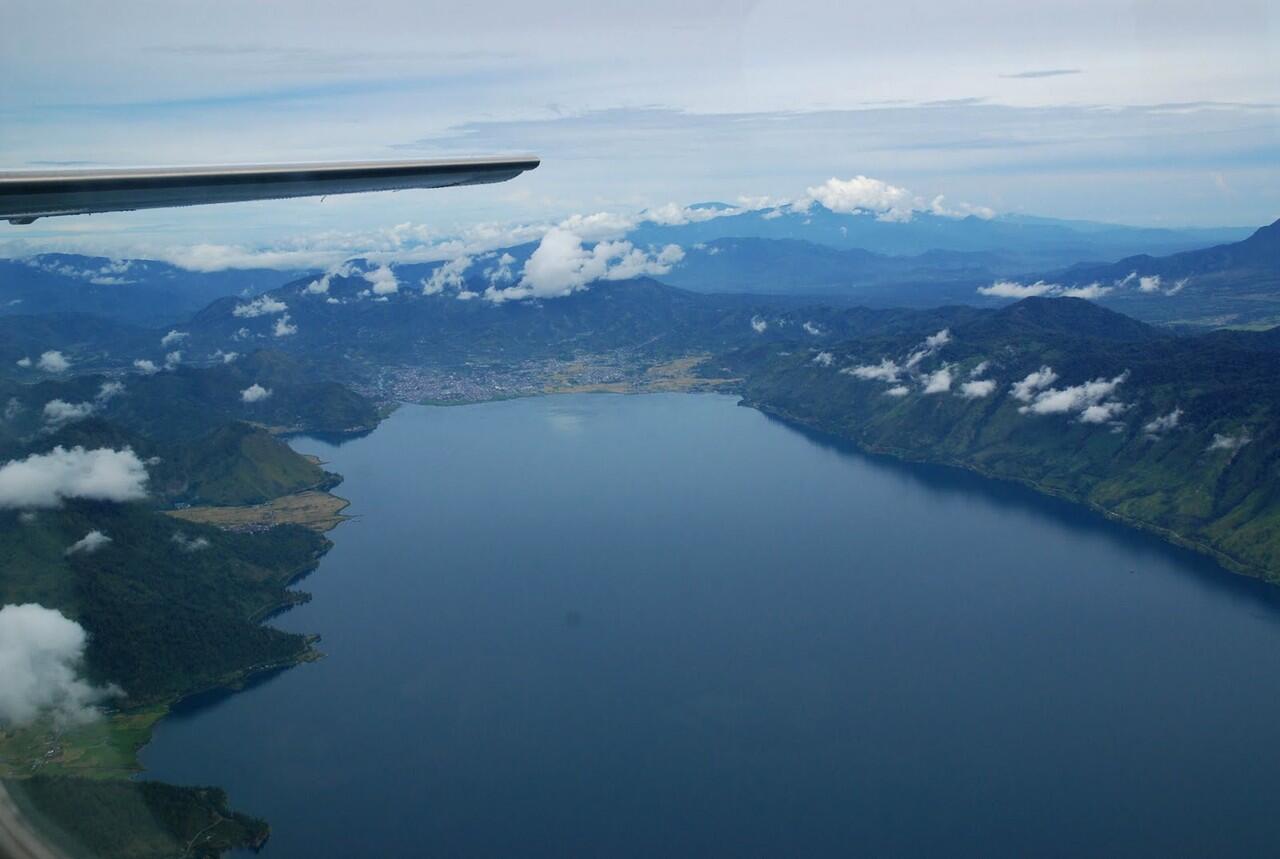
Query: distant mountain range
(142,292)
(1023,243)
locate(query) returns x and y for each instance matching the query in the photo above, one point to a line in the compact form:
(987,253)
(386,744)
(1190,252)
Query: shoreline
(1228,562)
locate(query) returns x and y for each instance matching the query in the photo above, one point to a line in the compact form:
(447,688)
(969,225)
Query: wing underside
(25,196)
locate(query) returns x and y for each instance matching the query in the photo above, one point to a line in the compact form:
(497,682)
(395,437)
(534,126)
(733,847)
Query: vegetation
(1209,481)
(113,819)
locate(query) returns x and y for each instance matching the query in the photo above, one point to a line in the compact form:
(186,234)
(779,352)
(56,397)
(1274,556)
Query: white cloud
(41,653)
(108,390)
(1088,400)
(54,361)
(1228,442)
(937,341)
(673,214)
(225,357)
(886,371)
(1164,423)
(59,412)
(173,337)
(1178,286)
(977,389)
(263,305)
(960,210)
(1091,291)
(1150,283)
(1102,413)
(810,328)
(501,272)
(254,393)
(561,265)
(759,325)
(24,362)
(1013,289)
(146,367)
(383,280)
(284,327)
(897,391)
(1026,389)
(172,359)
(823,359)
(450,275)
(938,382)
(89,543)
(979,369)
(188,544)
(864,194)
(45,479)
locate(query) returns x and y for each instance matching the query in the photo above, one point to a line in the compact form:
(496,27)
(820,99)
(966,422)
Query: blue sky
(1150,113)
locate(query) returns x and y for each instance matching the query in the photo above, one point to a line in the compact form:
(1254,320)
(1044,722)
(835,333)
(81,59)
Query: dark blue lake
(666,625)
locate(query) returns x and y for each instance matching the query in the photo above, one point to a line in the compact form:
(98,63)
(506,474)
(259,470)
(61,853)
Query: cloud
(938,382)
(89,543)
(561,265)
(383,281)
(886,371)
(450,275)
(172,359)
(1026,389)
(225,357)
(1178,286)
(1150,283)
(823,359)
(977,389)
(674,215)
(46,479)
(254,393)
(1230,443)
(23,362)
(1102,413)
(960,210)
(284,327)
(173,337)
(109,390)
(501,272)
(58,413)
(1032,74)
(41,653)
(1013,289)
(188,544)
(810,328)
(53,361)
(1091,291)
(146,367)
(979,369)
(263,305)
(931,344)
(1164,423)
(1088,400)
(897,391)
(759,325)
(864,194)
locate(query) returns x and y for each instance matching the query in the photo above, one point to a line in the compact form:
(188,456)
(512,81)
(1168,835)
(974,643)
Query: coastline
(1227,561)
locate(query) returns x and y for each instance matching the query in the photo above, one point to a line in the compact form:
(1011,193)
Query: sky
(1154,113)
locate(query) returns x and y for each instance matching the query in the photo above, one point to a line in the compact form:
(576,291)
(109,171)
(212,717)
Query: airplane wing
(27,195)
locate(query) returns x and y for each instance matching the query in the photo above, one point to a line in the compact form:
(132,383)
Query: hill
(1180,435)
(135,291)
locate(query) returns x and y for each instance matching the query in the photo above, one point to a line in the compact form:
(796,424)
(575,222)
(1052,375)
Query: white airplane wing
(27,195)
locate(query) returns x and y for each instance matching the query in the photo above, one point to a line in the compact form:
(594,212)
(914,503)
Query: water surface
(666,625)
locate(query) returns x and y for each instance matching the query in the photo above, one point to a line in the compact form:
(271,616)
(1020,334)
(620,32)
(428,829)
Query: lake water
(667,625)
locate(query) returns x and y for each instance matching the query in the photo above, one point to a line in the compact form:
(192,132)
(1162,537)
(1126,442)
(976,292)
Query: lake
(600,625)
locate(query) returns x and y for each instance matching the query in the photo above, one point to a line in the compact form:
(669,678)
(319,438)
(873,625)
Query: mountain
(141,292)
(1027,243)
(1177,434)
(1227,284)
(186,402)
